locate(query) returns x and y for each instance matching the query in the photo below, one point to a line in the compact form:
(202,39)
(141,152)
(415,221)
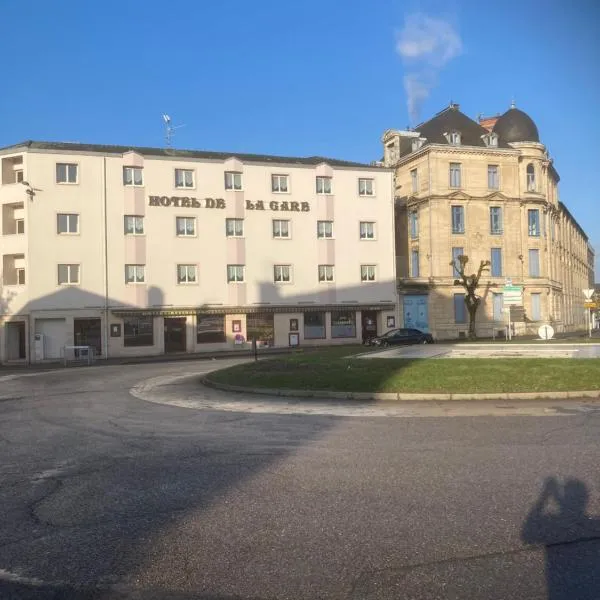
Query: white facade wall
(101,248)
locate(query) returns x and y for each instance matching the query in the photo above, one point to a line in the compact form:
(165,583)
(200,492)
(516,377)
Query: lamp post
(588,297)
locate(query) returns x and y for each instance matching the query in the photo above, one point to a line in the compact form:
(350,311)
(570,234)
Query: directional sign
(512,295)
(590,304)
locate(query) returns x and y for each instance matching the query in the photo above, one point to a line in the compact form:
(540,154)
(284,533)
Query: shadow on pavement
(571,538)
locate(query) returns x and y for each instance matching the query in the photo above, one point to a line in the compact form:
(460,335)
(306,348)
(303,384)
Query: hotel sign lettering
(188,202)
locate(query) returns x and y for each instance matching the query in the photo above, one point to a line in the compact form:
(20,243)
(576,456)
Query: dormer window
(490,139)
(416,144)
(455,138)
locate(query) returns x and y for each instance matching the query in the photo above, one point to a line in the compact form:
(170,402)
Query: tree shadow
(570,537)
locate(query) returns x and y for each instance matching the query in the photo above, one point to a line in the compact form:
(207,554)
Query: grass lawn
(336,369)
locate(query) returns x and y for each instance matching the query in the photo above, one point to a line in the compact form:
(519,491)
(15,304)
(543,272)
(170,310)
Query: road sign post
(512,295)
(588,294)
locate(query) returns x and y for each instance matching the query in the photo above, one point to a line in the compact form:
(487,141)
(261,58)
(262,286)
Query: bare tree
(470,283)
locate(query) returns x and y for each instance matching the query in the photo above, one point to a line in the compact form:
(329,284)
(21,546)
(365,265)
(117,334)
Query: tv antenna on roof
(169,129)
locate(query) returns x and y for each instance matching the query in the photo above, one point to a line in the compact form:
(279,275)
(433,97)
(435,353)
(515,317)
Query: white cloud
(425,45)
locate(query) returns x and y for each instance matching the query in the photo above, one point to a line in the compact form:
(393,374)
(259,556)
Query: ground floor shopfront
(47,336)
(441,311)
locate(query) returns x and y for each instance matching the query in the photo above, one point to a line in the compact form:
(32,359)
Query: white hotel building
(139,251)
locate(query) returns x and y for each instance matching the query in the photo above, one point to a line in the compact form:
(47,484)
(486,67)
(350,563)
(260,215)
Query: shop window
(314,326)
(343,324)
(210,329)
(138,331)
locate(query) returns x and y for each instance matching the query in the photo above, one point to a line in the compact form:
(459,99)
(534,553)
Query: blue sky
(304,78)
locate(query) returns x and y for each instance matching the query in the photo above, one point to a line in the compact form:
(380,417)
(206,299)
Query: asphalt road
(106,495)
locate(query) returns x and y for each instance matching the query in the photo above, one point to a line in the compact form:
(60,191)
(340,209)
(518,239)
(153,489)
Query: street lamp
(30,189)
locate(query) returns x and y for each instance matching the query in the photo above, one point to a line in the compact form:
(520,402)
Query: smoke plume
(425,45)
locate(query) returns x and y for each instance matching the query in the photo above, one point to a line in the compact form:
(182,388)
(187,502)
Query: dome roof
(516,126)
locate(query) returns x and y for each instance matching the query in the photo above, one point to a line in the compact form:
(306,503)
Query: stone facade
(506,209)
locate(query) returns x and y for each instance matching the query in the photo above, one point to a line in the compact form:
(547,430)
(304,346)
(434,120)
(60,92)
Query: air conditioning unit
(39,346)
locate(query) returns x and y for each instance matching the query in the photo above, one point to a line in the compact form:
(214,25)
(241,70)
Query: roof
(577,226)
(451,119)
(175,153)
(516,126)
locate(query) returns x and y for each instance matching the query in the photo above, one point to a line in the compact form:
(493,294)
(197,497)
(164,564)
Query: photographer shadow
(558,521)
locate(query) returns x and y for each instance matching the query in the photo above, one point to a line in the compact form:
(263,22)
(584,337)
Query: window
(325,273)
(491,140)
(493,177)
(496,260)
(324,229)
(530,178)
(138,331)
(367,272)
(414,263)
(66,173)
(458,219)
(235,273)
(416,144)
(536,307)
(496,226)
(533,222)
(454,175)
(261,327)
(210,329)
(456,252)
(460,309)
(234,227)
(365,187)
(323,185)
(185,226)
(67,223)
(279,184)
(498,306)
(133,224)
(20,225)
(343,324)
(187,274)
(233,180)
(414,181)
(367,230)
(282,273)
(19,176)
(414,224)
(135,273)
(534,263)
(133,176)
(281,229)
(68,274)
(184,178)
(454,138)
(20,276)
(314,326)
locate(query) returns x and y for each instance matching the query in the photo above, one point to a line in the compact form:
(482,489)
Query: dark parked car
(397,337)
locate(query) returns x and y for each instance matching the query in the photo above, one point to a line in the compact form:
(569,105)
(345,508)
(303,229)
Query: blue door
(416,312)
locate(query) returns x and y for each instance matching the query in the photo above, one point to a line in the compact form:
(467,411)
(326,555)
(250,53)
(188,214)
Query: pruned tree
(470,284)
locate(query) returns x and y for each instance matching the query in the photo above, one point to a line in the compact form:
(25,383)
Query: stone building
(488,190)
(151,250)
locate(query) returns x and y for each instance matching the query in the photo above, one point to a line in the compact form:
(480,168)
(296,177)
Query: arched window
(530,178)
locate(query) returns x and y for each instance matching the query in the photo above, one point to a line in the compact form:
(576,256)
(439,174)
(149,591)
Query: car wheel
(384,344)
(424,341)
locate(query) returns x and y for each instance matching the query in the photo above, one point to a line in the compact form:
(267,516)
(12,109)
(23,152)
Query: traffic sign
(588,293)
(512,295)
(591,304)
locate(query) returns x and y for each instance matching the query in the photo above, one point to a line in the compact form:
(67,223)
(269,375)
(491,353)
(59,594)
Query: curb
(401,396)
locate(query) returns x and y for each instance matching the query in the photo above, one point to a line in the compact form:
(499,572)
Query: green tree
(470,283)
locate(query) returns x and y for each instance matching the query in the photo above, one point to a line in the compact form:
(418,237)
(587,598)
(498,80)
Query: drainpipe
(105,248)
(430,218)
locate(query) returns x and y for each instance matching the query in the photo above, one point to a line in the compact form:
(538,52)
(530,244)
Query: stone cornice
(485,151)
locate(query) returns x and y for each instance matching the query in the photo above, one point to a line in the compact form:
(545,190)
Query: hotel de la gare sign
(188,202)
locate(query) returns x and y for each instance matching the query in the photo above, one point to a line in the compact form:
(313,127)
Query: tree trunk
(472,308)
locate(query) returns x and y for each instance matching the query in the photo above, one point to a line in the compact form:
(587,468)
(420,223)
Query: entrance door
(369,325)
(88,332)
(416,312)
(175,340)
(15,340)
